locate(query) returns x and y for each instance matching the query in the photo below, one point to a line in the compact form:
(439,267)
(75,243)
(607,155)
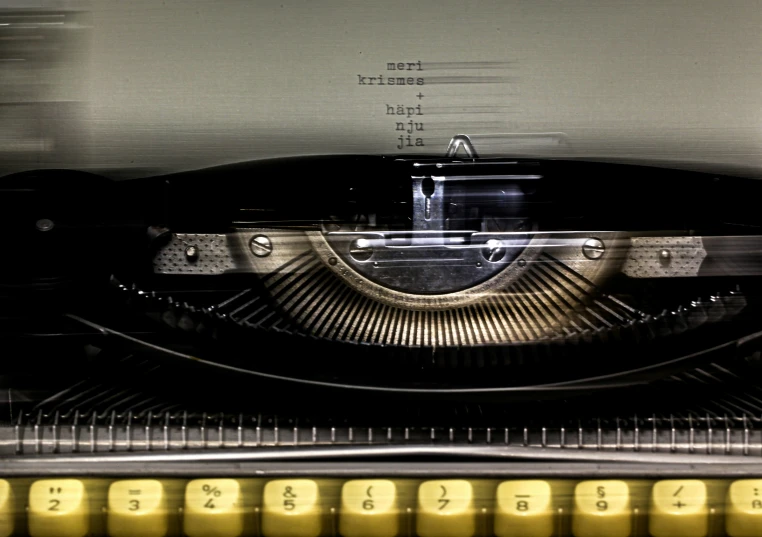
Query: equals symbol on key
(133,492)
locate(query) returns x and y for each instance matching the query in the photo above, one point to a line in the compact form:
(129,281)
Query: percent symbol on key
(213,492)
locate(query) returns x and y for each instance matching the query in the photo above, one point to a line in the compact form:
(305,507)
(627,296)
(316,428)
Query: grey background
(178,84)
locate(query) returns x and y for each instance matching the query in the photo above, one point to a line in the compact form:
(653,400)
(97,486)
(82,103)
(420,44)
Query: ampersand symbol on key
(288,493)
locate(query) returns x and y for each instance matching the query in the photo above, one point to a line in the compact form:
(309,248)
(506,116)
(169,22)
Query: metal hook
(461,141)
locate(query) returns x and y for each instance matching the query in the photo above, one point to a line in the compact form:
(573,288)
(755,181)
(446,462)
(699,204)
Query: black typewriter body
(280,337)
(330,341)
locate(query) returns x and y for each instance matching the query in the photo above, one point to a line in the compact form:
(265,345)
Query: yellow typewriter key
(369,509)
(58,508)
(291,508)
(446,509)
(524,508)
(743,508)
(137,507)
(213,508)
(602,509)
(679,509)
(7,509)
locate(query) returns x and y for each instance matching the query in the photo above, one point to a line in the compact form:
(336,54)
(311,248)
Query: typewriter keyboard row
(225,507)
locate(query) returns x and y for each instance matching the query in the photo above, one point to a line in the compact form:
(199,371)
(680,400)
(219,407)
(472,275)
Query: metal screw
(522,263)
(665,255)
(45,224)
(191,252)
(593,248)
(493,251)
(332,261)
(261,246)
(360,250)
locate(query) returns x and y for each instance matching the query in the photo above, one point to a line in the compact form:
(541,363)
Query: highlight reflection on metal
(360,452)
(709,436)
(458,142)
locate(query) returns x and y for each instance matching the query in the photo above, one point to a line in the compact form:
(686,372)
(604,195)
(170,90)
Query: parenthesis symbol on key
(444,491)
(368,491)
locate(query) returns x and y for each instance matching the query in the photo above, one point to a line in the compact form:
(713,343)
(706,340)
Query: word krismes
(391,80)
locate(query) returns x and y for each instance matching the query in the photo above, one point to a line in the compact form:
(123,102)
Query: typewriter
(429,343)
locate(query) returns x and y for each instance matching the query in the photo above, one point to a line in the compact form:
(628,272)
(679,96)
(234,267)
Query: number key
(214,508)
(679,509)
(602,509)
(369,508)
(292,508)
(137,507)
(524,508)
(59,507)
(446,509)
